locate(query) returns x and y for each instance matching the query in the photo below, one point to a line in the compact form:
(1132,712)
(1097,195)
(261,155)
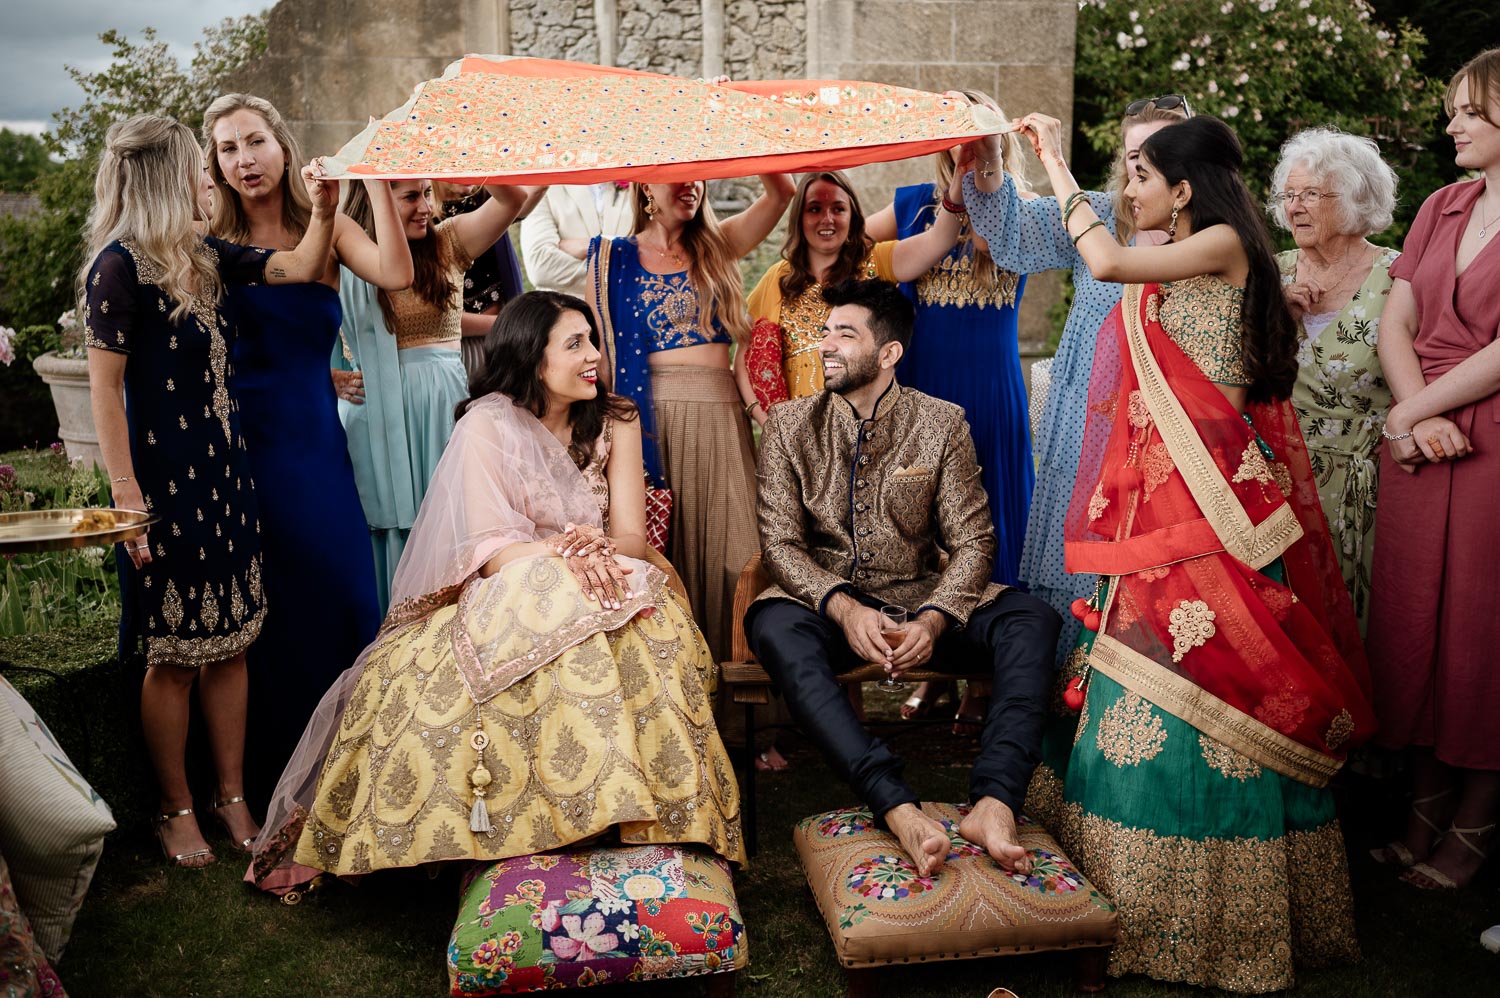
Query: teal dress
(378,446)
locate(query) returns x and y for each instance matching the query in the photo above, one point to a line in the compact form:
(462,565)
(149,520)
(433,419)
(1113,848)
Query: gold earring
(651,208)
(1172,229)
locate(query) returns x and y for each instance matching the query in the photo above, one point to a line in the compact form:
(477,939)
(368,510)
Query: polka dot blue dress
(1027,237)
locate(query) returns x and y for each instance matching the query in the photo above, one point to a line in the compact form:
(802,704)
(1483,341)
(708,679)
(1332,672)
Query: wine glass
(893,630)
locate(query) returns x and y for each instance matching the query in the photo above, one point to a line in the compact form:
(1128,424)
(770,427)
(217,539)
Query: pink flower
(547,918)
(622,184)
(7,351)
(586,940)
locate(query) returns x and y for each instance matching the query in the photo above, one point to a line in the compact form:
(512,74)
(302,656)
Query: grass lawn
(150,930)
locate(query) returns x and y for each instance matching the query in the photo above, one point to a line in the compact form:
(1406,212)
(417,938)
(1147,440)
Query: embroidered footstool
(596,916)
(879,911)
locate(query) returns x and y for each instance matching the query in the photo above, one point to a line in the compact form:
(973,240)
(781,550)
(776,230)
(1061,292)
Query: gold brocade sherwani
(875,505)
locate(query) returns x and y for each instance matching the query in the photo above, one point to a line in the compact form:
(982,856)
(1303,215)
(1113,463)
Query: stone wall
(331,63)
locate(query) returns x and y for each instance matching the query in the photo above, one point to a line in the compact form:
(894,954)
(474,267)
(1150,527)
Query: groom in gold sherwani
(864,488)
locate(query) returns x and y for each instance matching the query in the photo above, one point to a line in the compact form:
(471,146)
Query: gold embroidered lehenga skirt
(615,732)
(1226,874)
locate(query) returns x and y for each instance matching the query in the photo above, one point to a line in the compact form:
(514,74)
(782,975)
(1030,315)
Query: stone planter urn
(68,378)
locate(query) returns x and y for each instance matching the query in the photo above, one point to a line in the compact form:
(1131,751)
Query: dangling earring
(651,208)
(1172,229)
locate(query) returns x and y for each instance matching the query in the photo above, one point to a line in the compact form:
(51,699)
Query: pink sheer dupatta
(503,479)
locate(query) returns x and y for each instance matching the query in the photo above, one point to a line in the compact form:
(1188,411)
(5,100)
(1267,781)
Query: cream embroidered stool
(879,911)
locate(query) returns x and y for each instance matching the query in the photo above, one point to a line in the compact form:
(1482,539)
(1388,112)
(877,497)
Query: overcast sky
(39,37)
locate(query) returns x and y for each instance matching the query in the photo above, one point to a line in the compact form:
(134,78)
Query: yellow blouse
(1205,317)
(801,319)
(419,323)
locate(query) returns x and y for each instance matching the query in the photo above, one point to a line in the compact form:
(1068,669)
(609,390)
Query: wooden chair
(749,685)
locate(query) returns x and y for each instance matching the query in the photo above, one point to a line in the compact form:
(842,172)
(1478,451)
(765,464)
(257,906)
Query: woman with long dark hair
(521,606)
(1225,678)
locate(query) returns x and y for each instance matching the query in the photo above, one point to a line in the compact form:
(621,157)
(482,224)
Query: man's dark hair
(891,314)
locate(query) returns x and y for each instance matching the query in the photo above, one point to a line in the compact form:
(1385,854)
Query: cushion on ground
(595,916)
(878,910)
(52,824)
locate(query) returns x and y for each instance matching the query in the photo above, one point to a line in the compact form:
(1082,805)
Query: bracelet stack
(1071,205)
(953,208)
(1092,225)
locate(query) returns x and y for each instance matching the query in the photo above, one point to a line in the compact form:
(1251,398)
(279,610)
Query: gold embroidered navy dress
(965,350)
(199,600)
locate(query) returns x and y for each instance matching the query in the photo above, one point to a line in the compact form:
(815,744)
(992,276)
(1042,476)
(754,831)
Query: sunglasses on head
(1164,103)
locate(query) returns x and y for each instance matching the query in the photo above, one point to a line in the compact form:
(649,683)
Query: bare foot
(992,826)
(924,841)
(180,836)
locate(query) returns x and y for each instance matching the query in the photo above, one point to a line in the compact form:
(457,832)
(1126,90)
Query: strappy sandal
(1397,853)
(1439,879)
(245,844)
(182,858)
(917,707)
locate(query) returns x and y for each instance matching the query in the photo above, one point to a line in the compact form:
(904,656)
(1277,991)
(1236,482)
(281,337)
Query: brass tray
(56,529)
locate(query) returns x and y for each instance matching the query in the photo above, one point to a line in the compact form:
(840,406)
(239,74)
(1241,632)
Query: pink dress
(1432,635)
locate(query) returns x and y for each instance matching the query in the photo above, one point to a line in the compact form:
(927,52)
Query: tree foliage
(23,158)
(41,252)
(1270,68)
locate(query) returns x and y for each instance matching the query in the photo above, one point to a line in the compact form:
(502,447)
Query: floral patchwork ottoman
(595,916)
(879,911)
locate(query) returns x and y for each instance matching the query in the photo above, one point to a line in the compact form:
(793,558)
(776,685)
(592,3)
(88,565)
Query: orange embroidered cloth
(501,119)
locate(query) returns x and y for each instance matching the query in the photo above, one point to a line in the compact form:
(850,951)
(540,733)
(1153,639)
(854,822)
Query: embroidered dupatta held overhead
(581,718)
(1227,676)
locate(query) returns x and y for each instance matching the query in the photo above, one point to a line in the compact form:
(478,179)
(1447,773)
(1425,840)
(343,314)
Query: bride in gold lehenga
(536,683)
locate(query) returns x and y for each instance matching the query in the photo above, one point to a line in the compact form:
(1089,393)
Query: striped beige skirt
(709,462)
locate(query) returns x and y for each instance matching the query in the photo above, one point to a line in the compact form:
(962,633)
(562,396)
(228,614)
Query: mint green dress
(1341,399)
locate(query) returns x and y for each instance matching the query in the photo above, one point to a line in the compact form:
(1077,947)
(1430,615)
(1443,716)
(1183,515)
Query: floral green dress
(1341,399)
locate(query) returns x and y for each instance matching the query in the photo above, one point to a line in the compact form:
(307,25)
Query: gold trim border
(1256,546)
(1184,699)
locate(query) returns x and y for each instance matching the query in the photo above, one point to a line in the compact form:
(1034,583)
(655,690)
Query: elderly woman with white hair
(1333,191)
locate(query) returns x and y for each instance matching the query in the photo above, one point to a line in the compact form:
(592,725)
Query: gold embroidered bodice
(951,282)
(1204,316)
(419,323)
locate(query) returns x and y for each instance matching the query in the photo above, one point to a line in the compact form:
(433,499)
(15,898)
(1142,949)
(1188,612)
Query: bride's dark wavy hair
(1206,153)
(514,350)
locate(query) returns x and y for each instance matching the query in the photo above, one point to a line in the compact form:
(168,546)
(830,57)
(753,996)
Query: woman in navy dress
(319,569)
(965,350)
(159,343)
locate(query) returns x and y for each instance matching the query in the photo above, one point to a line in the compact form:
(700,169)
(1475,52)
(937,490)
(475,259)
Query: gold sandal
(181,858)
(245,844)
(1438,879)
(1397,853)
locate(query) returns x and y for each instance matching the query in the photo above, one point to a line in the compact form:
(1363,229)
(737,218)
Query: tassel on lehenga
(479,781)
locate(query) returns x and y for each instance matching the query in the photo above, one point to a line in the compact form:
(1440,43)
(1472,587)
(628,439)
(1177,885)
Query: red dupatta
(1179,504)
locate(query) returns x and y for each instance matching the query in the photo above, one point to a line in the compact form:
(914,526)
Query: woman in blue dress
(319,572)
(964,349)
(1026,236)
(670,302)
(159,339)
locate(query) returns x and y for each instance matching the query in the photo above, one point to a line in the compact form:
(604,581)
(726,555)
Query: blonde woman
(670,304)
(159,341)
(319,569)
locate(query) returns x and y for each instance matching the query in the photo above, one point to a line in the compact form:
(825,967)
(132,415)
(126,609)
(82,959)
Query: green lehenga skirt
(1225,873)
